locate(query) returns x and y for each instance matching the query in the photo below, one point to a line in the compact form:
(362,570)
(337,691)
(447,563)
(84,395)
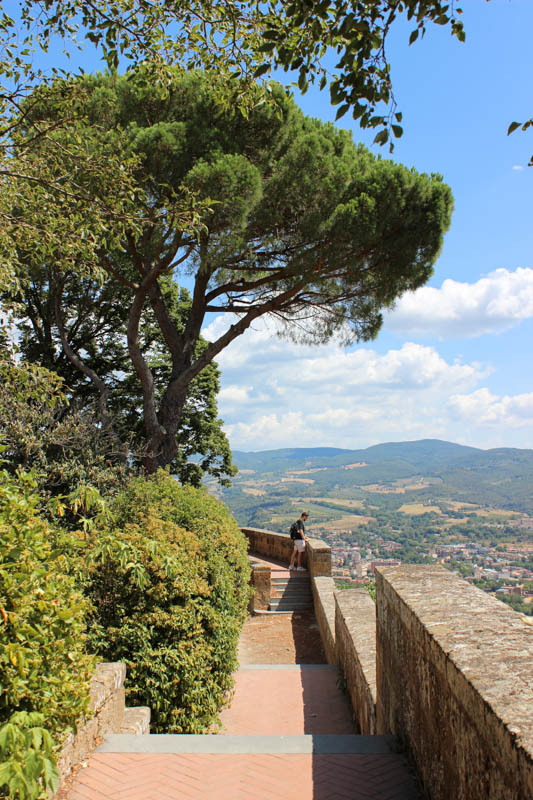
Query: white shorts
(299,545)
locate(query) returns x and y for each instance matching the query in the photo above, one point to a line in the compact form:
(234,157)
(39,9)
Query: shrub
(44,670)
(169,584)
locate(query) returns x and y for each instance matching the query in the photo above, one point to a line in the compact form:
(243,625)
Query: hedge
(169,582)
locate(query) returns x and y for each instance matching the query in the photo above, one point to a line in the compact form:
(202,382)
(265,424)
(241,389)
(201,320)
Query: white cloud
(492,304)
(278,394)
(483,407)
(517,167)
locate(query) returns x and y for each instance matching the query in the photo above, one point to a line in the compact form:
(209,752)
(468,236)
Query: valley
(402,502)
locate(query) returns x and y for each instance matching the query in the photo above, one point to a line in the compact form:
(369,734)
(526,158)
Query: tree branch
(77,362)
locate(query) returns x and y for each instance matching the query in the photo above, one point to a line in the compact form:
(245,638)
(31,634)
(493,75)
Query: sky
(453,359)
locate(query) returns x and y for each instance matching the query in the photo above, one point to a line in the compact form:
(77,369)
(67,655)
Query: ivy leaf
(342,111)
(381,137)
(512,127)
(261,70)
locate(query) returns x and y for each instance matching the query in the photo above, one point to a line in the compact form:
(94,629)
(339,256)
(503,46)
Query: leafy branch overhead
(293,221)
(243,40)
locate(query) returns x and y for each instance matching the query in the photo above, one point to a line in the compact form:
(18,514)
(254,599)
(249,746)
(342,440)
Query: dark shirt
(301,529)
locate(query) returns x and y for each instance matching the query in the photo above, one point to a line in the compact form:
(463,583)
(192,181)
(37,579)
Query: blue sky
(453,361)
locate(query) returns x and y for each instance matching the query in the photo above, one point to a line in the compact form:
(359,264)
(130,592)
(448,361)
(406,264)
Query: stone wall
(324,602)
(355,634)
(455,684)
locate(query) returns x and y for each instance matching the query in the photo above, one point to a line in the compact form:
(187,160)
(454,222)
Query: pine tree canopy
(272,213)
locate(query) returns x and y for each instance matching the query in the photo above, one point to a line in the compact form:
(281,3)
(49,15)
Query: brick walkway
(287,735)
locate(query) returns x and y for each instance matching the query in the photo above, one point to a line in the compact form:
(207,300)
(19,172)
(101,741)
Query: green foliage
(45,672)
(61,443)
(371,589)
(27,765)
(98,317)
(169,585)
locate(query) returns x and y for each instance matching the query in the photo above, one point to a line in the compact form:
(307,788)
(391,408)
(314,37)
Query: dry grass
(415,509)
(346,523)
(454,505)
(306,471)
(496,512)
(346,503)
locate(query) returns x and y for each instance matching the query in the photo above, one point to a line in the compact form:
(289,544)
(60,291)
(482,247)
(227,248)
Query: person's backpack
(295,531)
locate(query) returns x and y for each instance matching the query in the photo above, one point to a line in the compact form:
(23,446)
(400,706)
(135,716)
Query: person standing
(299,538)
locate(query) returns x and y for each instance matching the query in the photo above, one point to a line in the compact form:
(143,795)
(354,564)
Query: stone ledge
(109,715)
(355,634)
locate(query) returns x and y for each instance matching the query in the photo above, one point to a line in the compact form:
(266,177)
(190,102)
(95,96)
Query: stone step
(290,605)
(249,743)
(290,591)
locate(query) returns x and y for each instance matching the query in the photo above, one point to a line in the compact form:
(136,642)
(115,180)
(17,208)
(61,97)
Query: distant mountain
(501,477)
(423,454)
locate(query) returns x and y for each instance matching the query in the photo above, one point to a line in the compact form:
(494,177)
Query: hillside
(428,474)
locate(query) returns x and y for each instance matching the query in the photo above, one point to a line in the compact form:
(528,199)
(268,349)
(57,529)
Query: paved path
(287,735)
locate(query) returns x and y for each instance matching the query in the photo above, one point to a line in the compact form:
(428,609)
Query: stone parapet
(273,545)
(455,684)
(355,635)
(324,602)
(316,558)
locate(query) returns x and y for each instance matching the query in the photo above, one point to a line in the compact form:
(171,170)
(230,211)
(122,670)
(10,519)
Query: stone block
(261,583)
(136,721)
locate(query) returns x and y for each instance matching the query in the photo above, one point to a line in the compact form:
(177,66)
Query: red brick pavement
(118,776)
(287,701)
